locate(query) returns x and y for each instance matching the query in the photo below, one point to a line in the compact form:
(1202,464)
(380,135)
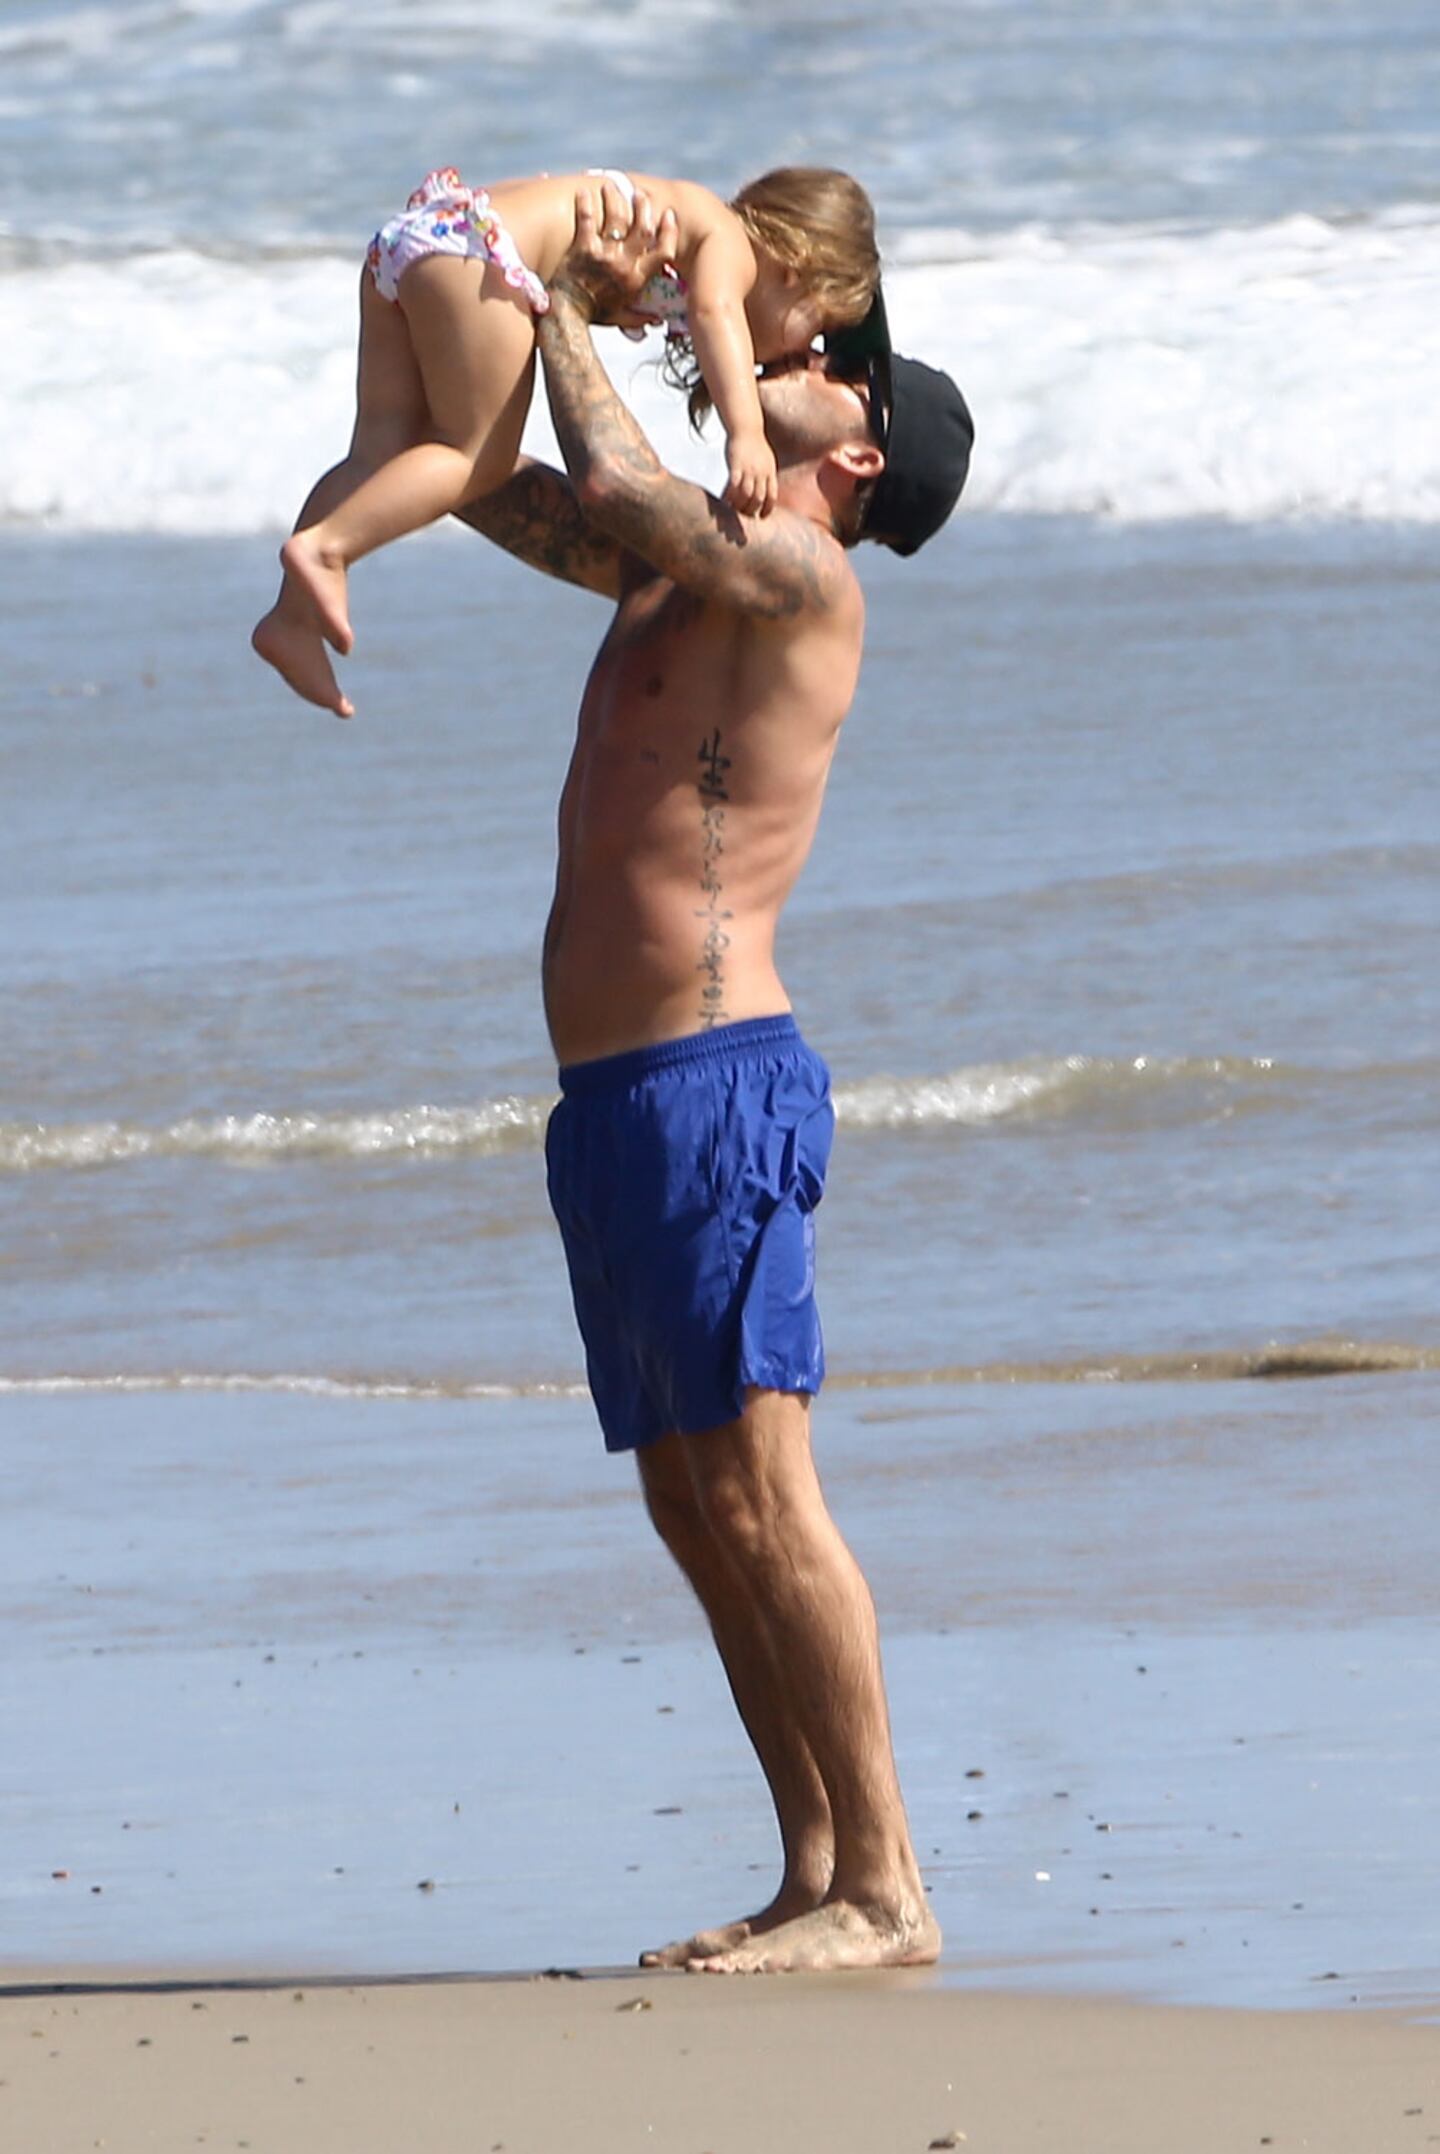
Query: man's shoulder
(799,571)
(784,569)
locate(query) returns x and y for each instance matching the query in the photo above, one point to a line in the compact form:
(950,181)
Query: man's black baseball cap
(921,421)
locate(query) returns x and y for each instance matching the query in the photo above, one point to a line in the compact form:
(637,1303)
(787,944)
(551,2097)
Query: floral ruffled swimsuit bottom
(444,216)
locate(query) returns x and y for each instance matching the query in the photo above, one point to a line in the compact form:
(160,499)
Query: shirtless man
(688,1149)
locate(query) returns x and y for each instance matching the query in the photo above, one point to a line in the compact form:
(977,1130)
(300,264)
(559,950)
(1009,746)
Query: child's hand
(751,465)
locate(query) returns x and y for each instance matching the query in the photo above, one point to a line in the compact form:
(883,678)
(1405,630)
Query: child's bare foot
(320,575)
(296,649)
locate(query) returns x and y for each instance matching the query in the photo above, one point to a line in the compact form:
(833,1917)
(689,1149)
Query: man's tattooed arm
(535,515)
(781,567)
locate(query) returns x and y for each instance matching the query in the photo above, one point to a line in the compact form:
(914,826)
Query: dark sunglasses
(861,352)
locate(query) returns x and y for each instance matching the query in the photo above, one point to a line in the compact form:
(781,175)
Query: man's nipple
(655,685)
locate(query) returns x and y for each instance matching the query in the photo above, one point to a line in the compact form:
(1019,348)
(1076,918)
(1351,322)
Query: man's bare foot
(295,648)
(706,1944)
(838,1934)
(320,575)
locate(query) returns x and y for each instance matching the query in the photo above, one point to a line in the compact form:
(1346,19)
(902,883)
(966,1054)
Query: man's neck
(803,489)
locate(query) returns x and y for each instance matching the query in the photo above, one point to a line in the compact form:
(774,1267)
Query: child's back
(540,212)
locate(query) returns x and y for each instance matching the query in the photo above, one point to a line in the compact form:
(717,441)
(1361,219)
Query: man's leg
(761,1694)
(756,1489)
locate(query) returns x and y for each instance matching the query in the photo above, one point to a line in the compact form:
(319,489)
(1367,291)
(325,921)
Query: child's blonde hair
(811,219)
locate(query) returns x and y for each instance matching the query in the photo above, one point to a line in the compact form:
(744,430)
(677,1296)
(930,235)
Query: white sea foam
(1046,1086)
(259,1139)
(300,1386)
(1280,371)
(117,29)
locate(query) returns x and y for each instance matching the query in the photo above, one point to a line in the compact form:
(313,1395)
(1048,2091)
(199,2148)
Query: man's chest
(667,650)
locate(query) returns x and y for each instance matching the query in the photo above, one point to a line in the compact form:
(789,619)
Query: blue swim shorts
(685,1178)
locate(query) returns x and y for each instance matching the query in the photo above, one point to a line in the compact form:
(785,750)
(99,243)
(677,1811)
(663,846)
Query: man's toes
(718,1963)
(705,1944)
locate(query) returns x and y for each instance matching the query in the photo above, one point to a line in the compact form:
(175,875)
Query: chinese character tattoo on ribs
(713,913)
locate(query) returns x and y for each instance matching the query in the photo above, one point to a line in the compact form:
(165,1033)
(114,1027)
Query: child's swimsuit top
(665,295)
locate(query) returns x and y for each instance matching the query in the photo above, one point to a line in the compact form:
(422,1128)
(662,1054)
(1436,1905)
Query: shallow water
(282,1663)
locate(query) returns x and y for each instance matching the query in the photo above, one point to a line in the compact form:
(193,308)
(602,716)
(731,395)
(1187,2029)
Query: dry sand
(892,2064)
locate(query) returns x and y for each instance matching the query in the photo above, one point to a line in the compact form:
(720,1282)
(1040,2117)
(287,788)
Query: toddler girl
(448,298)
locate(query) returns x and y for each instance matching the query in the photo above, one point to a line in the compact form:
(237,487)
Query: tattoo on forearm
(713,914)
(536,517)
(591,423)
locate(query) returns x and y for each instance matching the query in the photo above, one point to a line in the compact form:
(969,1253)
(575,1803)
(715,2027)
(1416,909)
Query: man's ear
(860,459)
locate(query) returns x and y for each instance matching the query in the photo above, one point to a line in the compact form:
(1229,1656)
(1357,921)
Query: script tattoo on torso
(713,913)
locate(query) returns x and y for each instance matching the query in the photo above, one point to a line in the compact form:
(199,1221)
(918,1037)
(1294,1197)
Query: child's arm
(719,271)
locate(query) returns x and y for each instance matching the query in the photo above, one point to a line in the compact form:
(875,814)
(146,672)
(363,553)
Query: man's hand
(618,247)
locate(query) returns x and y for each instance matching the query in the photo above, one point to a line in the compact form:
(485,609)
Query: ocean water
(1118,936)
(1119,933)
(1182,258)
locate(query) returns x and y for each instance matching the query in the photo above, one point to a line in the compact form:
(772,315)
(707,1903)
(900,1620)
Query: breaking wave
(1044,1089)
(1138,373)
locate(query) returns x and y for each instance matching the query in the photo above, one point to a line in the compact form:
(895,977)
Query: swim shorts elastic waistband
(754,1035)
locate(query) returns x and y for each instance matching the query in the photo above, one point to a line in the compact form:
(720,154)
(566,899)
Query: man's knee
(669,1492)
(749,1492)
(702,1491)
(741,1515)
(749,1486)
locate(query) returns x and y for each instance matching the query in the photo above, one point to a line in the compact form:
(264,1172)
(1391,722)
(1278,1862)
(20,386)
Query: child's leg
(473,341)
(390,416)
(477,385)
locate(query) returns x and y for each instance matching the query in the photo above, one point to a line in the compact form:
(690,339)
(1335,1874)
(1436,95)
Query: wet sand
(695,2065)
(1161,1660)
